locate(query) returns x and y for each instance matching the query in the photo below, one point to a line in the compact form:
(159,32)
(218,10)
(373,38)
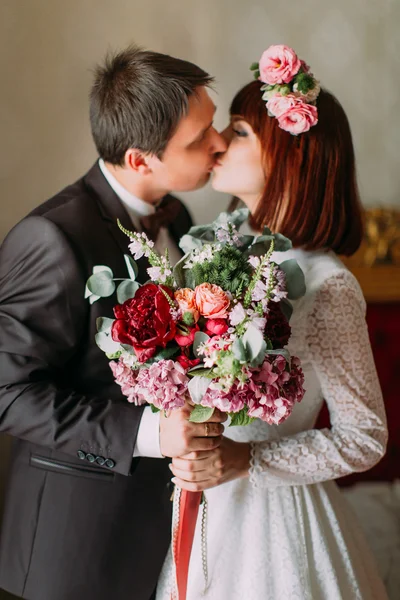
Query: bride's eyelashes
(240,132)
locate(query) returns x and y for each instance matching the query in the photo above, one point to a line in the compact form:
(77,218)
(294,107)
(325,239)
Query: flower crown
(290,90)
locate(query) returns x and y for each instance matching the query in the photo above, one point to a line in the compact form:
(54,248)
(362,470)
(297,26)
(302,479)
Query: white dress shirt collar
(134,206)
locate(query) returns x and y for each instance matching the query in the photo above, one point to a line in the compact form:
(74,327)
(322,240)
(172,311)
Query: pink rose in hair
(298,118)
(278,64)
(279,104)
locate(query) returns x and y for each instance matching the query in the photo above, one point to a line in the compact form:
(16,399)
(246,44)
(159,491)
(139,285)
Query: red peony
(277,330)
(145,321)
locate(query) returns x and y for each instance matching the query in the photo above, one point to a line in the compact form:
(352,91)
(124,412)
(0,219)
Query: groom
(88,508)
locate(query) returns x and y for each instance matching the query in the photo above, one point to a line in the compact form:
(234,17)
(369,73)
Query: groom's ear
(137,161)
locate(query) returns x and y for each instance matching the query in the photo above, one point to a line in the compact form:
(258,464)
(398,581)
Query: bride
(278,527)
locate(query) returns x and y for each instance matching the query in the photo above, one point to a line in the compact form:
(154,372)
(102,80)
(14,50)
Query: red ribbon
(188,510)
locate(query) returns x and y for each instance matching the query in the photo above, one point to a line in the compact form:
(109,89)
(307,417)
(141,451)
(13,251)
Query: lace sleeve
(340,352)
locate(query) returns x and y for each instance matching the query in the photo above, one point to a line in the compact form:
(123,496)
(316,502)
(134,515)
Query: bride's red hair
(311,193)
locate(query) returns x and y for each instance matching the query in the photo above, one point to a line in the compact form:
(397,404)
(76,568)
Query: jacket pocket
(68,468)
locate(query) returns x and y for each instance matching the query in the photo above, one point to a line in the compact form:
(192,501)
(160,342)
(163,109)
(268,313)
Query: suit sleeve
(43,319)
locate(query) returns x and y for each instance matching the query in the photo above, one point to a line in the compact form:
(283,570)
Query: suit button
(109,463)
(81,455)
(90,458)
(100,460)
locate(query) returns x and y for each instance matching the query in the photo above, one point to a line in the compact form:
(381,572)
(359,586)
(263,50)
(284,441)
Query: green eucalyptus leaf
(106,343)
(93,298)
(253,342)
(254,66)
(239,350)
(295,282)
(188,243)
(197,388)
(259,248)
(246,241)
(101,268)
(200,414)
(280,352)
(129,349)
(163,354)
(101,284)
(200,371)
(179,272)
(198,231)
(282,243)
(237,217)
(132,267)
(199,338)
(154,409)
(127,290)
(104,324)
(286,308)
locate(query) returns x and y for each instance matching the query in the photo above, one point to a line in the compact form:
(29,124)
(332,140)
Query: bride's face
(239,171)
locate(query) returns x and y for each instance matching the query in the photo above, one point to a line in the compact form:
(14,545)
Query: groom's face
(190,155)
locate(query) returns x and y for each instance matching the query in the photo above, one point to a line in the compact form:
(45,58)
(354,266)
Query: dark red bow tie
(165,214)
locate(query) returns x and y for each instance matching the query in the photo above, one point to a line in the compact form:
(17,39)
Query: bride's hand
(199,471)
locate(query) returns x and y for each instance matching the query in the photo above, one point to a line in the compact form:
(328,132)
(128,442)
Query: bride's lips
(217,164)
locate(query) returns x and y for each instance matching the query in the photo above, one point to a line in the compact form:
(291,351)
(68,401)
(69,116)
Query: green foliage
(305,82)
(200,414)
(228,269)
(241,418)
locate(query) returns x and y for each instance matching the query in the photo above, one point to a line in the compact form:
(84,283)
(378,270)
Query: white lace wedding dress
(286,533)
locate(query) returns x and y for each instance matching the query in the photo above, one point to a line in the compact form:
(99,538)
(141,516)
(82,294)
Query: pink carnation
(278,64)
(164,384)
(298,118)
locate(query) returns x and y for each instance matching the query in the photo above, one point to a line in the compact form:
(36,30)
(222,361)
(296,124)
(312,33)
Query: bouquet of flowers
(215,327)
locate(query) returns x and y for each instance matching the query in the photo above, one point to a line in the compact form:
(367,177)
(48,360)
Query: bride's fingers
(198,455)
(191,476)
(193,465)
(193,487)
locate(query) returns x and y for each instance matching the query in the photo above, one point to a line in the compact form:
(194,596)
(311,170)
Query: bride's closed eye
(240,132)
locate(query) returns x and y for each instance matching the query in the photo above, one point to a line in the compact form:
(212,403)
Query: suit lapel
(111,209)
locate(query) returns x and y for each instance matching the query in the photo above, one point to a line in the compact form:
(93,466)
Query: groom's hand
(198,471)
(178,436)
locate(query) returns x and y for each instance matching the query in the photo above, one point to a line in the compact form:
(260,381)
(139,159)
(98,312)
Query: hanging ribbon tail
(189,503)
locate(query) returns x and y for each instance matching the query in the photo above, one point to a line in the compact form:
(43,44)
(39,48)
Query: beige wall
(47,48)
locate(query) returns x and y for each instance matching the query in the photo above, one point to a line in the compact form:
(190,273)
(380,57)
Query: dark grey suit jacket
(83,520)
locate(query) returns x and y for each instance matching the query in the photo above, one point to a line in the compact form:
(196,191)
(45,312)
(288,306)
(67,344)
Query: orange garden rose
(212,301)
(185,298)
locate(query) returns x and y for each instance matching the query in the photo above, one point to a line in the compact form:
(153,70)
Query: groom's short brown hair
(137,100)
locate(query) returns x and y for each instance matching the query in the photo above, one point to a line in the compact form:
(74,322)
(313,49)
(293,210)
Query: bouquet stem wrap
(188,504)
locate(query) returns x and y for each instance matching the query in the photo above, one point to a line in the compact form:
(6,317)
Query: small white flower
(237,314)
(254,261)
(259,292)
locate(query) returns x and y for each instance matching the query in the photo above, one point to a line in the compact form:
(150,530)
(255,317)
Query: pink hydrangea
(164,384)
(278,64)
(125,377)
(233,401)
(277,390)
